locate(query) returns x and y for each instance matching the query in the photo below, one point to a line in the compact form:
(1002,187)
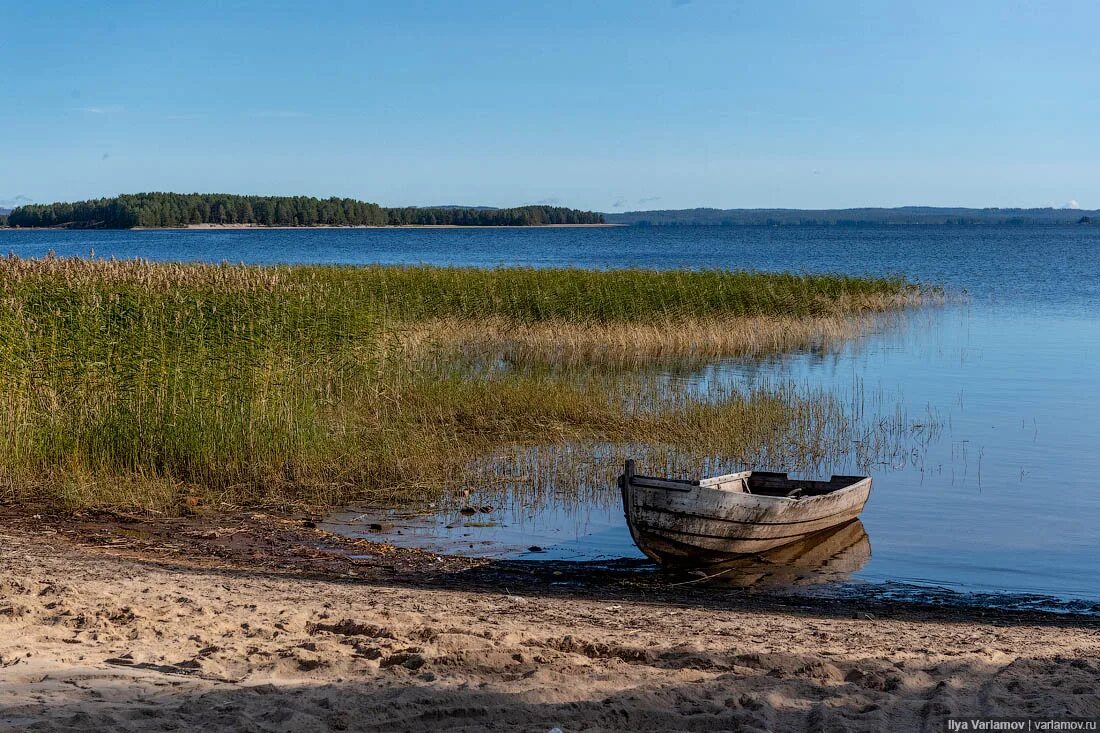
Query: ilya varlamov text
(1021,724)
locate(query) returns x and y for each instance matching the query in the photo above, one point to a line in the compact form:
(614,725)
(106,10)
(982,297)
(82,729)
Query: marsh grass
(572,295)
(171,387)
(781,426)
(674,342)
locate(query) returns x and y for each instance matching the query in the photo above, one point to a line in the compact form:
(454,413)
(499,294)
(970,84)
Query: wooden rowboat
(695,523)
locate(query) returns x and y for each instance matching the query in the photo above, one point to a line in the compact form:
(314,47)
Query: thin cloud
(100,110)
(280,114)
(680,3)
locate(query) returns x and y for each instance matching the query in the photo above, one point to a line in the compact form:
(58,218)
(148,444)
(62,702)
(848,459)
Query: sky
(613,105)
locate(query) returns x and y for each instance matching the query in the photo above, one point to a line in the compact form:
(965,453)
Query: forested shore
(181,210)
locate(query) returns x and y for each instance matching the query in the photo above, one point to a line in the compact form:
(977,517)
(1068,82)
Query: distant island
(850,217)
(202,210)
(163,210)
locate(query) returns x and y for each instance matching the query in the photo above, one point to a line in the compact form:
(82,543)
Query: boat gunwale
(743,496)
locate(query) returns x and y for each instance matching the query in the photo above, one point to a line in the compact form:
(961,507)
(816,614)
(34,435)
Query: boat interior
(767,483)
(763,483)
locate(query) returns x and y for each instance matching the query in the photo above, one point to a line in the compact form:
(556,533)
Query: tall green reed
(160,386)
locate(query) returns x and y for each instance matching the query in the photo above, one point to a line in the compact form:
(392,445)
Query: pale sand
(94,640)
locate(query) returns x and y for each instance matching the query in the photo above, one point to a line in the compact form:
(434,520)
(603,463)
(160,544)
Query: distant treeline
(179,210)
(850,217)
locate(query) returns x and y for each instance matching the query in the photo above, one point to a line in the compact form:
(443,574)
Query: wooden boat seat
(735,482)
(737,485)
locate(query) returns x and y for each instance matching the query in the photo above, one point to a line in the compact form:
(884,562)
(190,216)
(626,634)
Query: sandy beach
(267,624)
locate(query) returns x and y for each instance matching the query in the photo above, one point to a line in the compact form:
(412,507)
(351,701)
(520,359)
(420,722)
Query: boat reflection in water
(828,556)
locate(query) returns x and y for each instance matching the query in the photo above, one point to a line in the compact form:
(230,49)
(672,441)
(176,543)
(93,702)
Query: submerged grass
(163,387)
(673,343)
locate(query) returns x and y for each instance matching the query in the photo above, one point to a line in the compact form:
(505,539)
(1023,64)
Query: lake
(1005,499)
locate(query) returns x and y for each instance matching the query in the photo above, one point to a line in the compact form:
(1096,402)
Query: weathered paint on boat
(715,519)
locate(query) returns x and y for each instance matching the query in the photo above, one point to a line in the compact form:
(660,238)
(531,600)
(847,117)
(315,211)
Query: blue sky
(603,104)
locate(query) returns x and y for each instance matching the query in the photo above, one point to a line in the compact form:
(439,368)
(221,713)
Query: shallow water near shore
(1003,499)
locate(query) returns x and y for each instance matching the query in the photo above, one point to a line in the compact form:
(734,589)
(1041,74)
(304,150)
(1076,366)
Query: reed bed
(674,342)
(783,427)
(105,273)
(530,295)
(177,387)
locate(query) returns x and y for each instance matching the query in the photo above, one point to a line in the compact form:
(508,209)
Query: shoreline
(229,227)
(297,544)
(383,226)
(222,621)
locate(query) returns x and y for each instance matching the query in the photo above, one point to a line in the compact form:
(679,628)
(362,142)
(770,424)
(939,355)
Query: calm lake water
(1004,500)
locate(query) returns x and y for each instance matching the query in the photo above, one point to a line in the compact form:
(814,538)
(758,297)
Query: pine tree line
(178,210)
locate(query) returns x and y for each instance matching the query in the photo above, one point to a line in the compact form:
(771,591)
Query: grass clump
(165,386)
(194,375)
